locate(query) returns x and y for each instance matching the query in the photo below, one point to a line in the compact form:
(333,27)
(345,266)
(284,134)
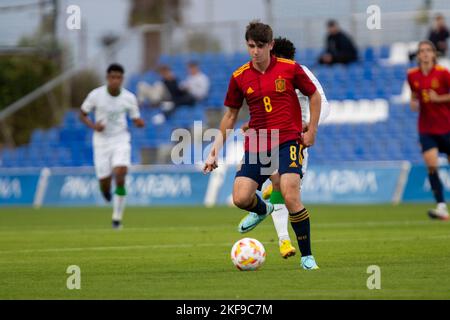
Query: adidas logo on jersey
(250,90)
(293,165)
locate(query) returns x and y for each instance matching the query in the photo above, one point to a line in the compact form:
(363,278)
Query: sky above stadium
(16,23)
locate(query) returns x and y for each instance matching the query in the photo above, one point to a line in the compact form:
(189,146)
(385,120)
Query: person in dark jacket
(439,35)
(339,46)
(172,95)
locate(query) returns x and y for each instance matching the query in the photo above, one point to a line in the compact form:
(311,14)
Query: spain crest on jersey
(434,84)
(280,85)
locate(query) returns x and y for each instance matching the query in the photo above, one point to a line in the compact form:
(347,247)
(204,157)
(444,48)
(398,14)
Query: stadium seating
(391,136)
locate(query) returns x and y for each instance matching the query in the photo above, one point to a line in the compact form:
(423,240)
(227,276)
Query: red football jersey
(272,100)
(434,118)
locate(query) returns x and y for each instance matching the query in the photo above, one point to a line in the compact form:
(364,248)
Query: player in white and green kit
(283,48)
(111,140)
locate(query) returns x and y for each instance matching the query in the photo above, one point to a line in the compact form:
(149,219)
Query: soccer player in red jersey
(430,86)
(268,85)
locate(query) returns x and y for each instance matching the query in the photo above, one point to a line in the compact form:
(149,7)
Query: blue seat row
(69,144)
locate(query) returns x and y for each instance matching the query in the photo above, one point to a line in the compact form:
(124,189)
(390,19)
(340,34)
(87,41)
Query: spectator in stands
(170,94)
(339,46)
(197,83)
(439,35)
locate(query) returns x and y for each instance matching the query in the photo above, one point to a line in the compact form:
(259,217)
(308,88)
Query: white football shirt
(304,100)
(112,113)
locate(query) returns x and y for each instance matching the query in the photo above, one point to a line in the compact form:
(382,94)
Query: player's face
(426,54)
(259,51)
(114,80)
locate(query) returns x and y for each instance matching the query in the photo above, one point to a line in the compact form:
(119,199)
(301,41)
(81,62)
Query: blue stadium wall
(379,182)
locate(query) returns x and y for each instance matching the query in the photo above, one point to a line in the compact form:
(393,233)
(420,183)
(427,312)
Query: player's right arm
(228,122)
(233,101)
(87,106)
(94,126)
(414,102)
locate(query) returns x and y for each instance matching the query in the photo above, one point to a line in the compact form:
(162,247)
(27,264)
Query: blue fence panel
(18,188)
(418,187)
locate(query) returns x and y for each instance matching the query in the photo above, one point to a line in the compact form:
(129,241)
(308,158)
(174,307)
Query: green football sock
(121,191)
(276,198)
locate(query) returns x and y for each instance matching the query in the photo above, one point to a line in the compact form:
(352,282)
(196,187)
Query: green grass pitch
(184,253)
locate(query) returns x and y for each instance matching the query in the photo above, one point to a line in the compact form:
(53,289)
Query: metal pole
(353,21)
(269,12)
(55,22)
(209,11)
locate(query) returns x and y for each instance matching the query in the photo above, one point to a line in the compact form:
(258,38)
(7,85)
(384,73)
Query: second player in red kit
(430,86)
(268,86)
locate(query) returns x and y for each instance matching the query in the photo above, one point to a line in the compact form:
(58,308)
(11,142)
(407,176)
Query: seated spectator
(439,34)
(197,83)
(165,93)
(339,46)
(170,94)
(167,89)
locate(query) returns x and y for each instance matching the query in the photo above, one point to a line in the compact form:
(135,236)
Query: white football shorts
(108,157)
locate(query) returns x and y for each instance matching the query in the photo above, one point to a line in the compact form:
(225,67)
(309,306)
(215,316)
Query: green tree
(19,75)
(22,73)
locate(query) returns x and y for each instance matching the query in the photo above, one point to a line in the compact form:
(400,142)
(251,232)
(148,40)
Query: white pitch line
(4,230)
(192,245)
(374,223)
(107,248)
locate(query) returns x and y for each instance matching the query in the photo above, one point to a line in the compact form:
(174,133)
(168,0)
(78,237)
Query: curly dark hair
(283,48)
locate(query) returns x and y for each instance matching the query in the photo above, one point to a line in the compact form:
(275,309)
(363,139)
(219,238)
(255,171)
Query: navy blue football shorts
(287,158)
(439,141)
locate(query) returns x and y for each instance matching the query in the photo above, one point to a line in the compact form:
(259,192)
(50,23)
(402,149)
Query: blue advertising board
(340,183)
(156,186)
(187,185)
(18,187)
(357,183)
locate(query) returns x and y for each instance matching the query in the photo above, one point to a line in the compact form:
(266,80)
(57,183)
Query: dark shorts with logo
(440,141)
(287,158)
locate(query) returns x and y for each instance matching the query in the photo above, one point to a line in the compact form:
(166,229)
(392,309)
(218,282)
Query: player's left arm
(307,87)
(139,122)
(245,126)
(314,111)
(134,113)
(438,98)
